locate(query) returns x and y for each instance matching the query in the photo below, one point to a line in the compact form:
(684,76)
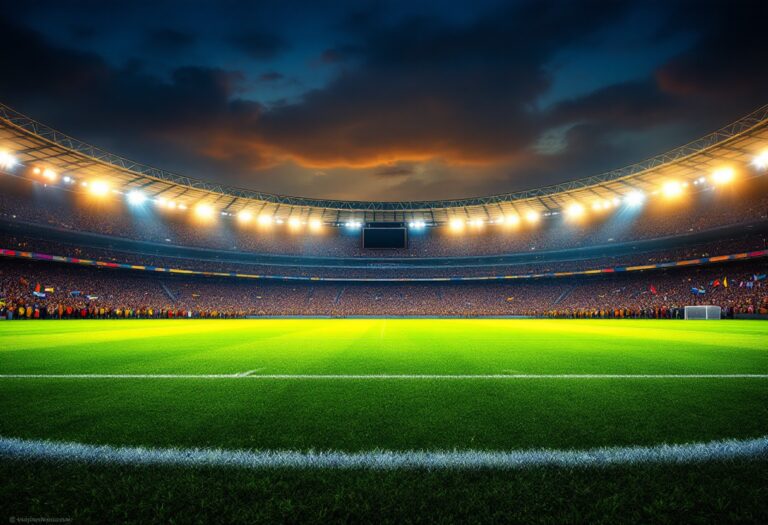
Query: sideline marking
(385,459)
(250,375)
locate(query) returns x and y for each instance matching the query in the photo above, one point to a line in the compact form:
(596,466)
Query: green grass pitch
(424,411)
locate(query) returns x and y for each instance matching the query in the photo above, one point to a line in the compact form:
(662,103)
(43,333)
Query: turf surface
(398,414)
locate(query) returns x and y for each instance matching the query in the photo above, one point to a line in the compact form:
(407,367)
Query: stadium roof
(34,143)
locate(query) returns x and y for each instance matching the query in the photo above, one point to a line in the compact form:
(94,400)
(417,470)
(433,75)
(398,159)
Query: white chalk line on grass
(253,376)
(725,450)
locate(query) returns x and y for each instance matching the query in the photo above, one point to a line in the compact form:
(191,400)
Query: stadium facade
(664,232)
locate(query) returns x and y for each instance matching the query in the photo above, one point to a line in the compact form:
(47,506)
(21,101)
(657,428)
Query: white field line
(251,375)
(384,459)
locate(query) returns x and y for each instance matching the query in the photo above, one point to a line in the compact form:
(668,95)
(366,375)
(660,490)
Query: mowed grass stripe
(391,347)
(362,415)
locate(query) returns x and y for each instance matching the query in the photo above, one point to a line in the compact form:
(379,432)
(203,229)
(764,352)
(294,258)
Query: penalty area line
(251,374)
(725,450)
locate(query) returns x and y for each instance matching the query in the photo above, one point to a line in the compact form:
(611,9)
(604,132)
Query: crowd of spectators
(699,211)
(51,290)
(538,263)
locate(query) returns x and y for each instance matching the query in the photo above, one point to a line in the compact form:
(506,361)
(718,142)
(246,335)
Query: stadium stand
(654,248)
(45,289)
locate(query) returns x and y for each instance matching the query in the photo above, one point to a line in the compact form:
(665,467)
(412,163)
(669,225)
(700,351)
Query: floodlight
(532,216)
(7,161)
(245,216)
(36,171)
(761,160)
(575,210)
(294,222)
(634,198)
(204,211)
(672,189)
(68,179)
(315,224)
(171,205)
(456,224)
(182,206)
(723,175)
(50,175)
(477,223)
(98,188)
(353,225)
(512,220)
(265,220)
(136,198)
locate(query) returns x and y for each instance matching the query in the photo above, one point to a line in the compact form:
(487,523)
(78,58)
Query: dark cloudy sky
(385,100)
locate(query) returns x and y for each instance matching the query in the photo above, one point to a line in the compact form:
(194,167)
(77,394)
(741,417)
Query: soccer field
(372,385)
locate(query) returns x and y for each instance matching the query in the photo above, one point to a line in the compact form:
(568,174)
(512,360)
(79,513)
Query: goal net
(702,312)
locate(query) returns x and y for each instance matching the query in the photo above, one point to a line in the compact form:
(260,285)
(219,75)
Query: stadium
(177,349)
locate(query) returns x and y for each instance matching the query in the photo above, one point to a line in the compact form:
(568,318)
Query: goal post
(703,312)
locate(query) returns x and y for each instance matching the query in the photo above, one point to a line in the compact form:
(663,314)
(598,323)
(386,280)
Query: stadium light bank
(671,189)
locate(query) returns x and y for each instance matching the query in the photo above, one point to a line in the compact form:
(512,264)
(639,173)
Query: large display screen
(385,238)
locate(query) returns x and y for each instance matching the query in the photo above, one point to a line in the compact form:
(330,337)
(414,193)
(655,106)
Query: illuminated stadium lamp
(68,179)
(634,198)
(182,206)
(171,205)
(532,216)
(204,211)
(294,223)
(98,188)
(50,175)
(575,211)
(160,201)
(353,225)
(37,171)
(279,221)
(477,223)
(616,201)
(723,175)
(265,220)
(315,224)
(7,161)
(244,216)
(456,224)
(761,160)
(417,225)
(136,198)
(512,220)
(672,189)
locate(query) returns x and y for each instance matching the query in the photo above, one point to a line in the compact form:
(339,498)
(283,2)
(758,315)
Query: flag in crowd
(698,291)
